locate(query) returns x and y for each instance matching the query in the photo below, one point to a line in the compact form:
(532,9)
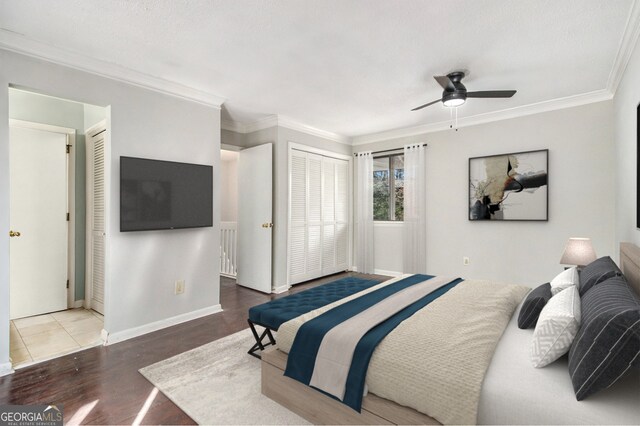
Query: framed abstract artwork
(509,186)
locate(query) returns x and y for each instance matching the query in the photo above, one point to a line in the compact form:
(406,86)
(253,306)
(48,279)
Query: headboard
(630,264)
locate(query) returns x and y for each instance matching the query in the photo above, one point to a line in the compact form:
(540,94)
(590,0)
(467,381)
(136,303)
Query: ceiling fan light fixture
(454,102)
(455,93)
(453,99)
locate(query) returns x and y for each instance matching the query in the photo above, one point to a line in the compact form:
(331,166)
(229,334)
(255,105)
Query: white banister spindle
(228,263)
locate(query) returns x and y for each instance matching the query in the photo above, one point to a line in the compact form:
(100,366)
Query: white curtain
(415,210)
(364,212)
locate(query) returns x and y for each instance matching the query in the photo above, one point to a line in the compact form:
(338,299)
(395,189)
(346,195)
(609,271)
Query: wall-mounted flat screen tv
(164,195)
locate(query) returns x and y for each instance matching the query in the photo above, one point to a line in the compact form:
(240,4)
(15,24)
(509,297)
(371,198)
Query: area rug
(219,383)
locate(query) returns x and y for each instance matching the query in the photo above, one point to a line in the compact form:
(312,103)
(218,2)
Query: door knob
(267,225)
(14,234)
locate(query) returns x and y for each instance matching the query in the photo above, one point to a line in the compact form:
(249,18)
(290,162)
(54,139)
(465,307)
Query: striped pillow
(597,272)
(532,306)
(608,342)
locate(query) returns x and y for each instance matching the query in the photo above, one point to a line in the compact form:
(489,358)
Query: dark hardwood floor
(102,385)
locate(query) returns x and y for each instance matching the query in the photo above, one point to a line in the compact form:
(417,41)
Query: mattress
(514,392)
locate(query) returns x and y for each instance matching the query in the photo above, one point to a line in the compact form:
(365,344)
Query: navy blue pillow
(596,272)
(532,306)
(608,342)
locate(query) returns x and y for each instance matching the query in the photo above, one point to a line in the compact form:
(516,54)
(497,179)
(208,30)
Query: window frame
(392,185)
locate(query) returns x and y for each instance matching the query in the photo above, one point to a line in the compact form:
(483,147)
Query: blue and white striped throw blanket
(331,352)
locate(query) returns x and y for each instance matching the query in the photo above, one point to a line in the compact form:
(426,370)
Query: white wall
(92,115)
(142,266)
(229,186)
(581,199)
(626,103)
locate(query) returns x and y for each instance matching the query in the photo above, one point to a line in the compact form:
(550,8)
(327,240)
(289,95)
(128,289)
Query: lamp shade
(578,251)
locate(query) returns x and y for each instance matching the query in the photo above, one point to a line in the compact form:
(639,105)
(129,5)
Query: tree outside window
(388,188)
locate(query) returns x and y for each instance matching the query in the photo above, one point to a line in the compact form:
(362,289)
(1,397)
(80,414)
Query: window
(388,187)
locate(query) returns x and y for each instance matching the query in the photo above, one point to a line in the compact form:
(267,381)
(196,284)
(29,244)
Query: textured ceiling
(351,67)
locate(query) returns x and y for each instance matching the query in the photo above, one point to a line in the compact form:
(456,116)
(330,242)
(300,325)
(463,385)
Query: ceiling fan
(455,94)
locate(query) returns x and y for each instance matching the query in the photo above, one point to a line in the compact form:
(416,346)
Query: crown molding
(232,126)
(505,114)
(627,46)
(263,123)
(20,44)
(282,121)
(294,125)
(249,126)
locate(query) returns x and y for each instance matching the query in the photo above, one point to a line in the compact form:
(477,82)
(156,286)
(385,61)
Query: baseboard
(381,272)
(5,369)
(388,273)
(78,304)
(281,289)
(130,333)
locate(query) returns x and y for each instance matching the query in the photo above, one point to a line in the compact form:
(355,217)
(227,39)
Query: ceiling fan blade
(492,94)
(445,82)
(426,105)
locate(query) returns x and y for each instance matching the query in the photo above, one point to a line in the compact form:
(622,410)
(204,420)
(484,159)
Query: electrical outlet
(179,286)
(465,260)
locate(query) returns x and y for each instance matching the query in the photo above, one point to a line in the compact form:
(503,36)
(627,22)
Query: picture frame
(509,187)
(638,166)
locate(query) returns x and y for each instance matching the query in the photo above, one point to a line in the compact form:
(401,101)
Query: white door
(38,256)
(328,216)
(314,215)
(254,217)
(319,215)
(297,216)
(94,286)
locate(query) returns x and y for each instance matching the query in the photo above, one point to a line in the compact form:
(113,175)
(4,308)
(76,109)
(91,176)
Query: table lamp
(579,252)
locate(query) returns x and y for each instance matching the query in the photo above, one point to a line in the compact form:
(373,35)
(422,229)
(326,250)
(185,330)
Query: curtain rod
(386,150)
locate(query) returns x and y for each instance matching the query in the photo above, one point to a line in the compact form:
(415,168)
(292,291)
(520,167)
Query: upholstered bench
(273,314)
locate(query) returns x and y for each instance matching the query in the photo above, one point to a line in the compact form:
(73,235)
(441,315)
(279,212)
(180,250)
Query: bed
(512,392)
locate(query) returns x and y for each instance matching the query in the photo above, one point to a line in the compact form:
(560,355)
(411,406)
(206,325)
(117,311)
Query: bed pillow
(567,278)
(596,272)
(532,306)
(608,343)
(557,326)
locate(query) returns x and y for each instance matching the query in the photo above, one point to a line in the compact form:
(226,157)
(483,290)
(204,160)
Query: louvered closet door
(314,216)
(319,213)
(298,221)
(329,216)
(96,273)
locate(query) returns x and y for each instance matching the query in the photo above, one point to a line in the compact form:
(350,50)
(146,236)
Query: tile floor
(46,336)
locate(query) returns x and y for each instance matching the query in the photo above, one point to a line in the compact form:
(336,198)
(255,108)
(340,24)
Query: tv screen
(164,195)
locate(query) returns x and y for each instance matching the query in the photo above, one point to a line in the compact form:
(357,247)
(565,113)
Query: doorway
(246,216)
(47,234)
(229,213)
